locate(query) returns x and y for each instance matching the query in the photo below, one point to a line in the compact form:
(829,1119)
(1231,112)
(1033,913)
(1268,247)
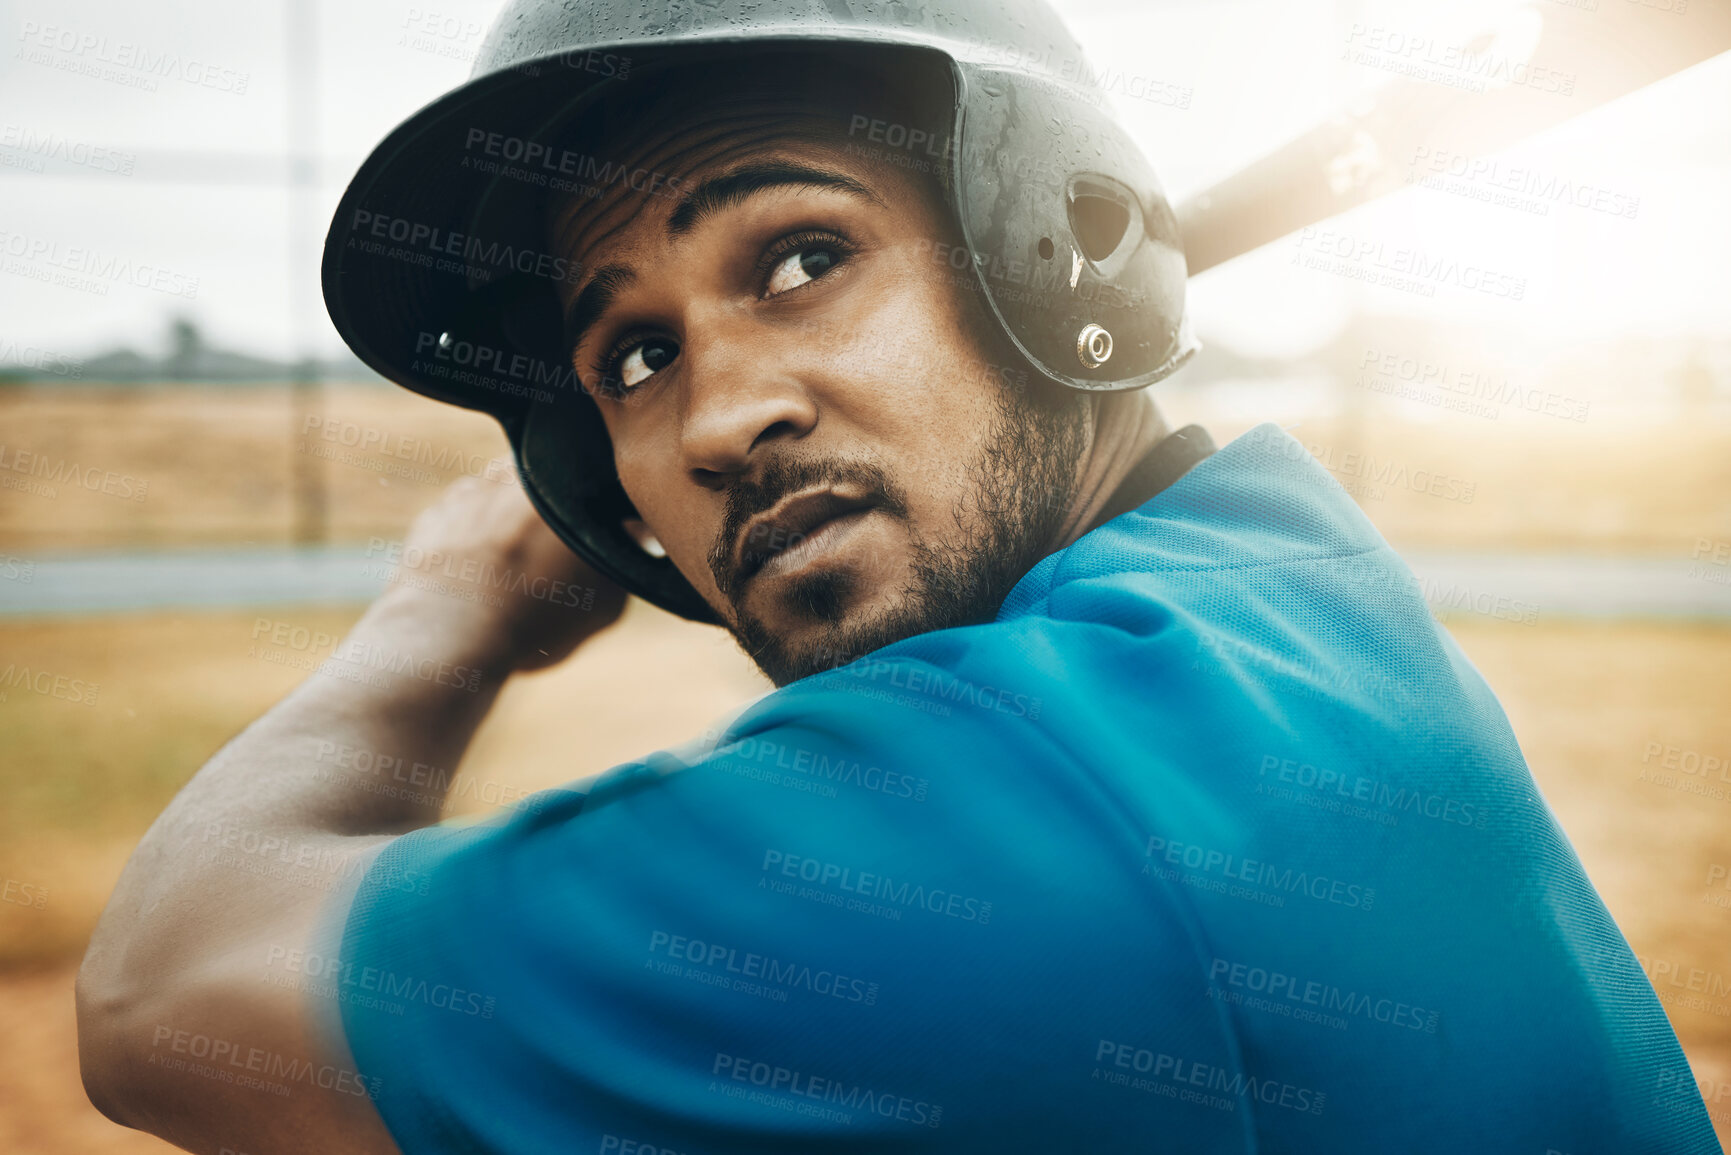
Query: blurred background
(189,458)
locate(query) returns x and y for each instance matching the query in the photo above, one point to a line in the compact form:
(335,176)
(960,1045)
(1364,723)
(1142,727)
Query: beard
(1019,488)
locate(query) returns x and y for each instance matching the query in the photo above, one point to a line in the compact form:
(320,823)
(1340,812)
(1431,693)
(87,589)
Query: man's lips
(791,521)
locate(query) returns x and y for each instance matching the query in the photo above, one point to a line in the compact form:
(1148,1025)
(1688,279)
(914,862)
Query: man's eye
(644,359)
(800,267)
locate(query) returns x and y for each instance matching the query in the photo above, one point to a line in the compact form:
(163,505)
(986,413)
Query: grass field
(1599,708)
(212,465)
(216,464)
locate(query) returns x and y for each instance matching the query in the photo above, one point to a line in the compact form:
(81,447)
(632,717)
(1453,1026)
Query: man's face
(798,404)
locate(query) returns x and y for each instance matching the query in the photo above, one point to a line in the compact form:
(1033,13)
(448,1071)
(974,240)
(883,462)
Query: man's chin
(821,622)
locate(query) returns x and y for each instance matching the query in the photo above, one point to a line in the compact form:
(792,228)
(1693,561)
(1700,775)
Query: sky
(186,174)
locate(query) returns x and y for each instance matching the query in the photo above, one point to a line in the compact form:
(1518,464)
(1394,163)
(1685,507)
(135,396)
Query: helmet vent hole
(1046,249)
(1099,223)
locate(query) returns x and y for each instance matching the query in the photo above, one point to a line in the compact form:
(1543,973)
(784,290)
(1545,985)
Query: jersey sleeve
(816,935)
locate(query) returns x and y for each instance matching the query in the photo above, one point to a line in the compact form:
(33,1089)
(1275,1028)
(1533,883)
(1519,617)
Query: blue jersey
(1212,841)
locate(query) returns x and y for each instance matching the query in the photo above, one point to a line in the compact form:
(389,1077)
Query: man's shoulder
(936,695)
(1242,515)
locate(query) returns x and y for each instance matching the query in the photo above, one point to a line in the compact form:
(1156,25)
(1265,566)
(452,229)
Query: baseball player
(1117,793)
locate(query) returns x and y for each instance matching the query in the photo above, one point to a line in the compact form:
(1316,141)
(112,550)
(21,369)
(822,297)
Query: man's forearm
(412,681)
(276,812)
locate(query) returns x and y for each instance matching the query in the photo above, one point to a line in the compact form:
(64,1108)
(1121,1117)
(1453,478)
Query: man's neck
(1126,427)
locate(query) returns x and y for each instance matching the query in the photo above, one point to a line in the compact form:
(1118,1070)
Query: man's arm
(197,1001)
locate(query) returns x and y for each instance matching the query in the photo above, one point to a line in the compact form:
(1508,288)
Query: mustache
(780,476)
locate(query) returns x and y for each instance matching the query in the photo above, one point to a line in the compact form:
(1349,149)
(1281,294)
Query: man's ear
(644,537)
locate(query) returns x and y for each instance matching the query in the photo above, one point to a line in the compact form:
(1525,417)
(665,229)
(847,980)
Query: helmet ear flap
(502,341)
(1070,237)
(564,456)
(565,460)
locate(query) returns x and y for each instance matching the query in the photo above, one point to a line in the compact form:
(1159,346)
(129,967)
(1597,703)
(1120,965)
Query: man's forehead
(649,207)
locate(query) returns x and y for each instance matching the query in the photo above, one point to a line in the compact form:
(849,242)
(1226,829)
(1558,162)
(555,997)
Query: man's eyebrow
(595,299)
(710,196)
(728,189)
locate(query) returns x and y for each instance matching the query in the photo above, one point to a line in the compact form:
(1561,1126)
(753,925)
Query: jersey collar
(1160,467)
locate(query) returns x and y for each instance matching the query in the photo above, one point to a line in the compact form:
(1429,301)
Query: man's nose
(743,388)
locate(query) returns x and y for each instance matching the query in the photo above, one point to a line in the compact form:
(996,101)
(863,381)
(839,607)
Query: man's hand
(483,547)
